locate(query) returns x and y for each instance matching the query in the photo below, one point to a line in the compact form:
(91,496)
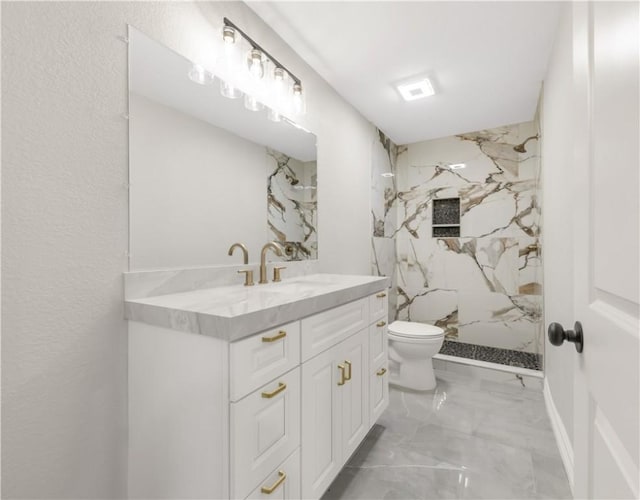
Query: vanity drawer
(265,430)
(287,488)
(263,357)
(328,328)
(379,305)
(378,344)
(378,390)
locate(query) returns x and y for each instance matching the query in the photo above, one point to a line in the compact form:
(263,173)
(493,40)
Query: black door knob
(557,335)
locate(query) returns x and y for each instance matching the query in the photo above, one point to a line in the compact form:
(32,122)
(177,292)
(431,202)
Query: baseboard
(560,433)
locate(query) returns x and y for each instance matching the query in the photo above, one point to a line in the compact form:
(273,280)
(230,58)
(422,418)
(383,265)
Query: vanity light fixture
(457,166)
(416,90)
(278,88)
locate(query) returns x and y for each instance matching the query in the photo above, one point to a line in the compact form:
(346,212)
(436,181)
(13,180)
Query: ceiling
(486,60)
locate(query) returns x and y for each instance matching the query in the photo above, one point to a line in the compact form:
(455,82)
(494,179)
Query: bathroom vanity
(254,392)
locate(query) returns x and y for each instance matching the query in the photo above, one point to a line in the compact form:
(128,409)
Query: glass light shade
(299,104)
(228,34)
(274,115)
(255,64)
(199,75)
(278,84)
(229,64)
(229,90)
(251,103)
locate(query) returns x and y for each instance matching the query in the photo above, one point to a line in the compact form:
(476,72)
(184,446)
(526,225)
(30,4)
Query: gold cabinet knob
(381,295)
(381,323)
(381,372)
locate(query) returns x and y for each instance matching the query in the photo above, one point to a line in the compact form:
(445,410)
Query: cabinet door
(354,353)
(378,376)
(321,414)
(265,429)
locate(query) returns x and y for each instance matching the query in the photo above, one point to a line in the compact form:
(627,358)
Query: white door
(606,232)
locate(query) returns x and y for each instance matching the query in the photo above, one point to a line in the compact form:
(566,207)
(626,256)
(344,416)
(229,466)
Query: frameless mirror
(205,172)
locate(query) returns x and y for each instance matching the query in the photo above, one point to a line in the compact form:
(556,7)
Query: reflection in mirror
(206,173)
(291,195)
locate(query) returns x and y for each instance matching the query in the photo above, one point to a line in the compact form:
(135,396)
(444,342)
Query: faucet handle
(276,273)
(248,276)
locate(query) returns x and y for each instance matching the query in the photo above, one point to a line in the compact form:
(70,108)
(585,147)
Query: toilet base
(416,376)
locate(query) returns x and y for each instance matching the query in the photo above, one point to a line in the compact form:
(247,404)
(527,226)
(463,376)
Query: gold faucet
(244,251)
(263,255)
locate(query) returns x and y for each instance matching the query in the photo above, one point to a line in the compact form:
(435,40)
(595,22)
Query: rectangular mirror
(205,172)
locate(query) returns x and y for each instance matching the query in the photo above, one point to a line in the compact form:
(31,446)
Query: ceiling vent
(416,90)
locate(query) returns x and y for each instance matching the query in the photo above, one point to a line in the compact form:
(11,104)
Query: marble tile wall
(384,213)
(292,204)
(484,287)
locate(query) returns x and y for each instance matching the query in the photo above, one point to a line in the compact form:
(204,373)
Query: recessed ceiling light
(416,90)
(456,166)
(387,174)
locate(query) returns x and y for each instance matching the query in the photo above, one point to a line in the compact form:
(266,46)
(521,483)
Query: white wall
(557,232)
(185,170)
(65,231)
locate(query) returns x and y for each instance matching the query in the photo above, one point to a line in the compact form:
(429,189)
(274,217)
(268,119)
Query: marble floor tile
(468,438)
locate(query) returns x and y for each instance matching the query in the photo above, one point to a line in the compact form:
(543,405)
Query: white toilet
(411,350)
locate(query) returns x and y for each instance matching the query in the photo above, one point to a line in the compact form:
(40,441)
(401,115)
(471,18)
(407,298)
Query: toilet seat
(415,331)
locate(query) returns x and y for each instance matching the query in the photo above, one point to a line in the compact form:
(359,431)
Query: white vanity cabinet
(271,415)
(335,411)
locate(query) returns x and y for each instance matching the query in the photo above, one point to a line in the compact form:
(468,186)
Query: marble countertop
(234,312)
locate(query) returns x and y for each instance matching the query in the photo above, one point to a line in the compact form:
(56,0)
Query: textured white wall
(557,244)
(65,230)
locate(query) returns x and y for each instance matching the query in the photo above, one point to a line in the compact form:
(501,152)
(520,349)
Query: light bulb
(299,105)
(198,74)
(256,66)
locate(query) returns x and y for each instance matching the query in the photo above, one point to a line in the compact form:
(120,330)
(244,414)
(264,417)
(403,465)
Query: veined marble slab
(140,284)
(235,312)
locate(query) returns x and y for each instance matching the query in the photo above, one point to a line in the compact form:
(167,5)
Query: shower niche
(446,218)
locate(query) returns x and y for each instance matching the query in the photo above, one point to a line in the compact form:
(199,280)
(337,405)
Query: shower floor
(508,357)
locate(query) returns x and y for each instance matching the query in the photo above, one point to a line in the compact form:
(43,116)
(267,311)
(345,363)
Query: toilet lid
(411,329)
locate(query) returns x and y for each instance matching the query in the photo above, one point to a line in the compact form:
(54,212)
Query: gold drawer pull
(342,379)
(381,372)
(382,323)
(270,489)
(381,295)
(348,363)
(281,334)
(281,387)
